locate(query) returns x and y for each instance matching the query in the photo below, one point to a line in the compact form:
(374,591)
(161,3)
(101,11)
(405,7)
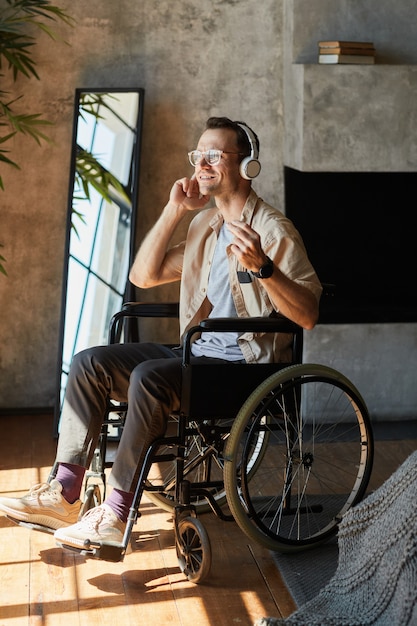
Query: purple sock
(71,478)
(120,503)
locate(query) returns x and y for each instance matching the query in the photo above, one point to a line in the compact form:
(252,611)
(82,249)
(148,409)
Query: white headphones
(250,166)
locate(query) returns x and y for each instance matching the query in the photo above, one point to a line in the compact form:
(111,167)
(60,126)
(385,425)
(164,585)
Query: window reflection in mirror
(101,219)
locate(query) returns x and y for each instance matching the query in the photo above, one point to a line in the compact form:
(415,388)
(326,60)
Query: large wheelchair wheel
(314,465)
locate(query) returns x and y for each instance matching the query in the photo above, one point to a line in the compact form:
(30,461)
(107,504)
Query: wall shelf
(354,118)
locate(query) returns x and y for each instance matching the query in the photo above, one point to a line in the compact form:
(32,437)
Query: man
(241,258)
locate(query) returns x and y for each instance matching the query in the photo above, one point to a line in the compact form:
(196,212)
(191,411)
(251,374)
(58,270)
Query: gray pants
(145,375)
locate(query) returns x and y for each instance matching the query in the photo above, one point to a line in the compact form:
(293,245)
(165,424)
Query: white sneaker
(99,525)
(44,505)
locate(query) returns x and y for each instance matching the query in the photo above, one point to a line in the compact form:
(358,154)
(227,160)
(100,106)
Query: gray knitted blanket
(376,577)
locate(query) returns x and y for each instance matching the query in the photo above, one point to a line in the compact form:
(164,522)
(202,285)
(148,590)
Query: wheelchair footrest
(31,526)
(106,552)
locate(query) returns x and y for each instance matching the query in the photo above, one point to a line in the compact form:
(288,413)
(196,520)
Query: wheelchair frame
(289,449)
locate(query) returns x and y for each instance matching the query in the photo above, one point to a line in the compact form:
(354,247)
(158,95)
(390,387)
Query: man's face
(224,176)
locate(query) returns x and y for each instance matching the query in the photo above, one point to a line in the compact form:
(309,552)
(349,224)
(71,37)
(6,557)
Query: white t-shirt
(216,344)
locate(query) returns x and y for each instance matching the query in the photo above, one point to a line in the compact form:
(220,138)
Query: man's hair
(243,142)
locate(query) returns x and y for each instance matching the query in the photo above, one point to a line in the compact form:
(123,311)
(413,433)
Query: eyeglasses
(212,157)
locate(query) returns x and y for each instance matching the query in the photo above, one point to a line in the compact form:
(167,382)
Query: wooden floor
(43,585)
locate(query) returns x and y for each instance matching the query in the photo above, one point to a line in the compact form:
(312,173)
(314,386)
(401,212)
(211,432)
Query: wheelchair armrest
(278,324)
(140,309)
(250,324)
(150,309)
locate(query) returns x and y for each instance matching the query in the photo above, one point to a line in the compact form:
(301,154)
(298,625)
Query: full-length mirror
(101,220)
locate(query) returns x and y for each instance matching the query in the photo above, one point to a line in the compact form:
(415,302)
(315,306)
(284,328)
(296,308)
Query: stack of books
(346,52)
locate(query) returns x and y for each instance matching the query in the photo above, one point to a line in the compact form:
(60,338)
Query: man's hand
(246,246)
(294,301)
(186,192)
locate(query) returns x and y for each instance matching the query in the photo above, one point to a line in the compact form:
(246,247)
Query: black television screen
(359,232)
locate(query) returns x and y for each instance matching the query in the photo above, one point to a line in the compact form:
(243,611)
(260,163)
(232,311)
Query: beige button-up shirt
(280,241)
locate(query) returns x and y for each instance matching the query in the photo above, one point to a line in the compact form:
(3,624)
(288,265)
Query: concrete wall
(379,359)
(193,60)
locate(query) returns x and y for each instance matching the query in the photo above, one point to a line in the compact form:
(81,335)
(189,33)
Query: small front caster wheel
(193,549)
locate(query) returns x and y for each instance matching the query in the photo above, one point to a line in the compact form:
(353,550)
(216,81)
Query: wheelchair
(282,449)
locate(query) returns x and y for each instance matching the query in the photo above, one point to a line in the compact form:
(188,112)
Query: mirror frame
(133,190)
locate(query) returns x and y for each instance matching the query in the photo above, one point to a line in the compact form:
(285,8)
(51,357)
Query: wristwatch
(266,270)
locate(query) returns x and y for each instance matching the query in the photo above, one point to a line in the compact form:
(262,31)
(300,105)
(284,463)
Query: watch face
(266,270)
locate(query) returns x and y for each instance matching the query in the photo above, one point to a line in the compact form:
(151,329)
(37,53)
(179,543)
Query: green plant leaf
(5,159)
(89,171)
(17,55)
(27,124)
(2,268)
(18,19)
